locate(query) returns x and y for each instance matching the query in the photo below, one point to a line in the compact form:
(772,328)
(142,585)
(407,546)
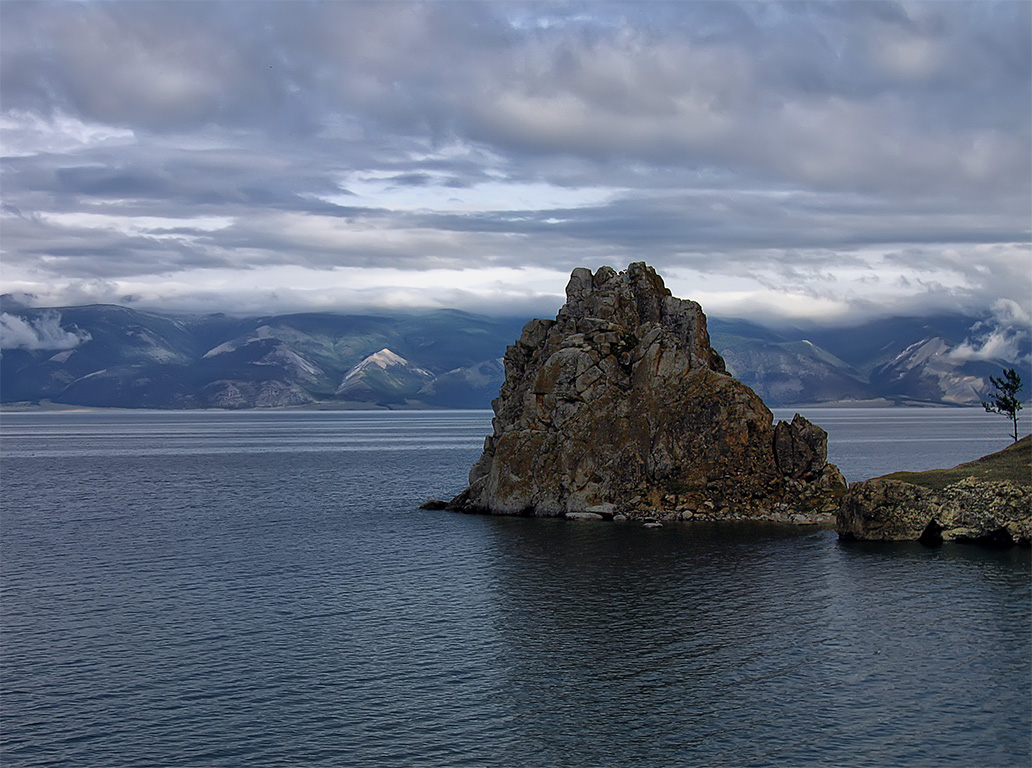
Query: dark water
(227,589)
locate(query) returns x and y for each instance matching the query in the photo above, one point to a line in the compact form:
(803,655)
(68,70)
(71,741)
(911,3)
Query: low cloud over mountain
(39,333)
(112,356)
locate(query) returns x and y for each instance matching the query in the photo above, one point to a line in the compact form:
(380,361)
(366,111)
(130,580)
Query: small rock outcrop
(886,510)
(972,510)
(620,408)
(987,500)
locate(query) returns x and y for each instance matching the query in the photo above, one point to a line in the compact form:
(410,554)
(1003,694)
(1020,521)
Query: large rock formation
(620,407)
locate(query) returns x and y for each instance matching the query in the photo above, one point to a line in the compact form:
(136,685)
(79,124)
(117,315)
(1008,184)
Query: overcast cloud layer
(801,160)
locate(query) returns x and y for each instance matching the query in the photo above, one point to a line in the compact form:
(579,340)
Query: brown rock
(622,398)
(800,448)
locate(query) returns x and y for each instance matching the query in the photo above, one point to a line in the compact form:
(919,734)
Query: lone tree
(1004,398)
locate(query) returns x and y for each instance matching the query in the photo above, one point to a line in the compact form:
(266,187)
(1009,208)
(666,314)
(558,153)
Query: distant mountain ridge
(113,356)
(942,360)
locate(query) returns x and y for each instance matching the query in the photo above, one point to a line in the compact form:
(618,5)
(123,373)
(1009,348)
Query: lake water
(260,588)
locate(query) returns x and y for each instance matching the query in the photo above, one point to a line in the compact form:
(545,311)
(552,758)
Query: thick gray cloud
(798,158)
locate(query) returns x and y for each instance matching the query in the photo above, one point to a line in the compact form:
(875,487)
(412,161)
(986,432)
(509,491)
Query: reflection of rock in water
(620,408)
(655,637)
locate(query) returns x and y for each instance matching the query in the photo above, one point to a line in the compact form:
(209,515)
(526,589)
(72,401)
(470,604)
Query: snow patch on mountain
(283,356)
(221,349)
(917,355)
(384,359)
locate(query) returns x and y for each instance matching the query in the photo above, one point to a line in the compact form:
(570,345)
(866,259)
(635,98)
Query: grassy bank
(1012,463)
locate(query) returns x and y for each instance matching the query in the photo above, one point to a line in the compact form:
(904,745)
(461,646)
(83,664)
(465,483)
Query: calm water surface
(222,589)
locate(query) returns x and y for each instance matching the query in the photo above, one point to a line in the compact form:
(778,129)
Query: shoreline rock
(970,510)
(988,501)
(621,408)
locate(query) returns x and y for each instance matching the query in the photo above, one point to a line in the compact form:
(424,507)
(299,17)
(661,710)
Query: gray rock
(583,516)
(978,510)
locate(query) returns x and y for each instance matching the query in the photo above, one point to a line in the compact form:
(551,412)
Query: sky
(784,162)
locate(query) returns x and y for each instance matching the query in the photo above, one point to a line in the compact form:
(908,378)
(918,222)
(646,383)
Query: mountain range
(114,356)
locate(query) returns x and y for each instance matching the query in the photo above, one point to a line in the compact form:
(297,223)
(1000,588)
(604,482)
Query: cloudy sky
(798,160)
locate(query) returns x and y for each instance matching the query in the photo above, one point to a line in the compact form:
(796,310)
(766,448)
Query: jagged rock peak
(611,301)
(620,406)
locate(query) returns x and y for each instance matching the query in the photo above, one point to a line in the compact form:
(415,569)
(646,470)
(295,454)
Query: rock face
(620,407)
(991,511)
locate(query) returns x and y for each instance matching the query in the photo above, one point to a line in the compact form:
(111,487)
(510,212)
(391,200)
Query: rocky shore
(620,409)
(985,501)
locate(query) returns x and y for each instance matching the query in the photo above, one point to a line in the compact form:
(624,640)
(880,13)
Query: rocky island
(620,409)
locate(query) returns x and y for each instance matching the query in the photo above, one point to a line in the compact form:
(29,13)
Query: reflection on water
(733,644)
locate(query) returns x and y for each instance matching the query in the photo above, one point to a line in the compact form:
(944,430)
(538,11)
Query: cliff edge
(988,500)
(621,408)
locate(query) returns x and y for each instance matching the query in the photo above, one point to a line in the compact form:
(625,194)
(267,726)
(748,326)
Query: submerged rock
(584,516)
(620,407)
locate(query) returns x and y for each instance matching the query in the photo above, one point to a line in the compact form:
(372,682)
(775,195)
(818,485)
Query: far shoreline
(47,406)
